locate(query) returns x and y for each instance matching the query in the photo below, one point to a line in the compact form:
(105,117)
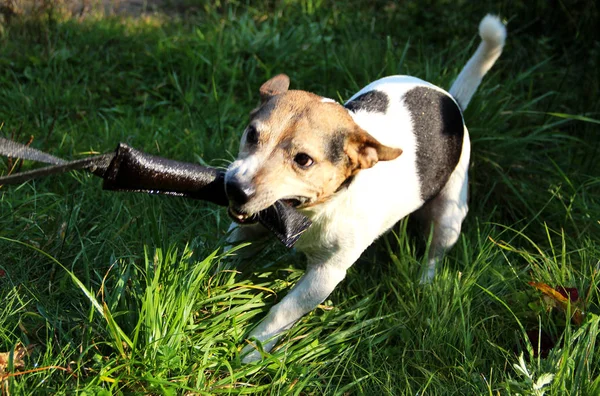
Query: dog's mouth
(241,217)
(297,201)
(293,202)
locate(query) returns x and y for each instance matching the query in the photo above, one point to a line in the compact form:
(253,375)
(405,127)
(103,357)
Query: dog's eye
(252,135)
(303,160)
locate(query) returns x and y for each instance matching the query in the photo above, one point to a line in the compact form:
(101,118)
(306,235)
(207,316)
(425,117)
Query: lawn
(123,293)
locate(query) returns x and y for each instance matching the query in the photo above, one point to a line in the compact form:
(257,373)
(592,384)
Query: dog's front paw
(427,276)
(428,272)
(254,351)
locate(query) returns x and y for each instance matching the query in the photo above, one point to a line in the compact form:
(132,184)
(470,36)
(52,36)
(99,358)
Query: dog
(399,146)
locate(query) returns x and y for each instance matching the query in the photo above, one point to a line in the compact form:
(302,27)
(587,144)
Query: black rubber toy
(128,169)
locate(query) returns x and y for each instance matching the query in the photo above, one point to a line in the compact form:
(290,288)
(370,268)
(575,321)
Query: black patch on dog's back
(372,101)
(438,127)
(334,148)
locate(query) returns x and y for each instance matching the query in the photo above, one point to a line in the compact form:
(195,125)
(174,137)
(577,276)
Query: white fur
(345,225)
(327,100)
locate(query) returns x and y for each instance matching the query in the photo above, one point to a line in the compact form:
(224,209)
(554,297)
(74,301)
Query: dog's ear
(365,151)
(274,86)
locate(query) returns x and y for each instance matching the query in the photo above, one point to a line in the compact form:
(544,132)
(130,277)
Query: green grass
(128,293)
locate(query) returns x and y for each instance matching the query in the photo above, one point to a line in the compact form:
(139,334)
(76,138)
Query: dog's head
(298,147)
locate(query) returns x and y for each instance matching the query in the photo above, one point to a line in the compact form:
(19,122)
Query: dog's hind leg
(445,214)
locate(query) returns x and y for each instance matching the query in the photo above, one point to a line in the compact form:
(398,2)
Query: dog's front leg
(312,289)
(254,233)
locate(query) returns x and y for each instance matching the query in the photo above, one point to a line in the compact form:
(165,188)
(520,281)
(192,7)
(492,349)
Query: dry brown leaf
(18,357)
(549,291)
(558,300)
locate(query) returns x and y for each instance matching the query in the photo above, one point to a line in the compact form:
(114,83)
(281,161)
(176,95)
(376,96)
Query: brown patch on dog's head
(299,147)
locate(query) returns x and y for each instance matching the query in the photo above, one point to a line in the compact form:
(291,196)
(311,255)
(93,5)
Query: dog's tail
(493,34)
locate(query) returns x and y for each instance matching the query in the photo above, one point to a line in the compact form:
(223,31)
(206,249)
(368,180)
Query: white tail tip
(492,30)
(493,35)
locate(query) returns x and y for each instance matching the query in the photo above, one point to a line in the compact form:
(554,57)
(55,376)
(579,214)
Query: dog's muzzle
(239,194)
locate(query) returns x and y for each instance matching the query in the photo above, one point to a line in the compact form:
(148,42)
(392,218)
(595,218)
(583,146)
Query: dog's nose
(239,193)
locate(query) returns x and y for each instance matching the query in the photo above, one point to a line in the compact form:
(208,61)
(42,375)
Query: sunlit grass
(125,293)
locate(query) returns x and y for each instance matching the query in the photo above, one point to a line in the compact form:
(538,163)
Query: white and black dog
(399,146)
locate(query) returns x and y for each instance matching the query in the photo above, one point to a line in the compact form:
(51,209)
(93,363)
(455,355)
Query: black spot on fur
(372,101)
(334,148)
(438,127)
